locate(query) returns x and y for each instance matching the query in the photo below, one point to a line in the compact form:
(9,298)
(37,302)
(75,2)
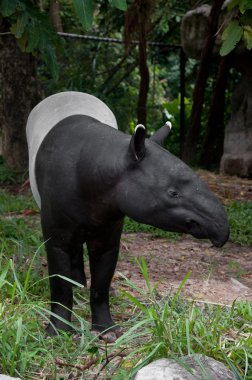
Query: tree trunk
(182,101)
(137,25)
(144,85)
(199,90)
(19,93)
(55,16)
(212,148)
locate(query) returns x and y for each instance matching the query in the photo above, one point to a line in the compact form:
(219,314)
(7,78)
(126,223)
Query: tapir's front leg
(103,255)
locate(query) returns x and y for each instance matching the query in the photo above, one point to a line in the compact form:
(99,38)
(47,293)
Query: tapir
(86,176)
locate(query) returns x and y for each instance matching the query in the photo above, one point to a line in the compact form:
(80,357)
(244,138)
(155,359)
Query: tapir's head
(161,190)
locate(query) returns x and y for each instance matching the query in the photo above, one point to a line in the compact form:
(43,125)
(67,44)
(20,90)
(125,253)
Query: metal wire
(116,40)
(108,39)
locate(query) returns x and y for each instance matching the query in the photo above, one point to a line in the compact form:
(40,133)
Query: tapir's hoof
(108,336)
(53,331)
(50,330)
(112,292)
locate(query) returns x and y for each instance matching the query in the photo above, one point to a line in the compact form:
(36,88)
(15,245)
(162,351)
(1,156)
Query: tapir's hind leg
(58,248)
(103,255)
(77,264)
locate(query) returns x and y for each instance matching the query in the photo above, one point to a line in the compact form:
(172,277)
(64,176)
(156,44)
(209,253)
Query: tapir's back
(51,111)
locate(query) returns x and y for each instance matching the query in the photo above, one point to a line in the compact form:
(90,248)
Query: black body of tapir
(89,176)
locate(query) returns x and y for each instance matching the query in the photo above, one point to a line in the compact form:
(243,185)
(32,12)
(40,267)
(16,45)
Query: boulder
(237,156)
(5,377)
(196,367)
(194,30)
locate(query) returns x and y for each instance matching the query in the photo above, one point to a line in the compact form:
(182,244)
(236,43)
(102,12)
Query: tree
(238,28)
(212,147)
(20,90)
(198,94)
(32,37)
(137,24)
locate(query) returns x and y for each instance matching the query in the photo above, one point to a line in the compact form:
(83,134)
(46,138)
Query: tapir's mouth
(200,232)
(195,229)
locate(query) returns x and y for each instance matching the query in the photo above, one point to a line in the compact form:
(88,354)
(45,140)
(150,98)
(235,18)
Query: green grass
(240,220)
(133,226)
(10,203)
(172,327)
(154,326)
(7,175)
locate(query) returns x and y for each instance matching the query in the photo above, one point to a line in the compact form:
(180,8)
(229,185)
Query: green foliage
(154,326)
(231,36)
(132,226)
(240,220)
(157,326)
(242,4)
(15,203)
(120,4)
(238,29)
(32,26)
(33,29)
(171,327)
(172,113)
(7,175)
(104,70)
(8,7)
(24,349)
(84,10)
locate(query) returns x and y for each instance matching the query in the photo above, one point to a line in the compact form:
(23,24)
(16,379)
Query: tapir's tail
(54,109)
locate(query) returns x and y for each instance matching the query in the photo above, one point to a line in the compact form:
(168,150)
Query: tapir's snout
(218,226)
(222,235)
(215,229)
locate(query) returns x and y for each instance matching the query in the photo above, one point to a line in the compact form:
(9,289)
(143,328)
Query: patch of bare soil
(218,275)
(228,188)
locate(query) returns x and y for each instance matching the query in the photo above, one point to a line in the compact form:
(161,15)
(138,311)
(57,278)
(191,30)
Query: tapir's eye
(173,193)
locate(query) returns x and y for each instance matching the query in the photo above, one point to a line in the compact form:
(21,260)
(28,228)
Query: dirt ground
(218,275)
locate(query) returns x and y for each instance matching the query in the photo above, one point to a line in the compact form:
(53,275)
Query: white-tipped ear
(162,133)
(169,125)
(139,126)
(137,143)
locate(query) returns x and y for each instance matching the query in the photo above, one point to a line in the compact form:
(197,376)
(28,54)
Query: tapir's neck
(102,164)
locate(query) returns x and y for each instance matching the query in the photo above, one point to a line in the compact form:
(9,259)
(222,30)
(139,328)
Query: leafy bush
(7,175)
(172,113)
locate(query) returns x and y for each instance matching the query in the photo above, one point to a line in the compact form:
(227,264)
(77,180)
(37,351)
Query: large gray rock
(5,377)
(237,156)
(194,30)
(199,367)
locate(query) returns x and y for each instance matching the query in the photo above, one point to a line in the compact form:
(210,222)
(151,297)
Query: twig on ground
(81,367)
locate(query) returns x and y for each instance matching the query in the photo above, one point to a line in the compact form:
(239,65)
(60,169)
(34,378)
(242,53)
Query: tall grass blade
(181,285)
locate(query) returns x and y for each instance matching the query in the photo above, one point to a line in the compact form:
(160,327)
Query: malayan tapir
(86,175)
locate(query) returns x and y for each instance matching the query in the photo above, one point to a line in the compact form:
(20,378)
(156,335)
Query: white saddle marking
(54,109)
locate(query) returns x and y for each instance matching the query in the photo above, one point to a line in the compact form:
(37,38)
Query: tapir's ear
(137,143)
(161,134)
